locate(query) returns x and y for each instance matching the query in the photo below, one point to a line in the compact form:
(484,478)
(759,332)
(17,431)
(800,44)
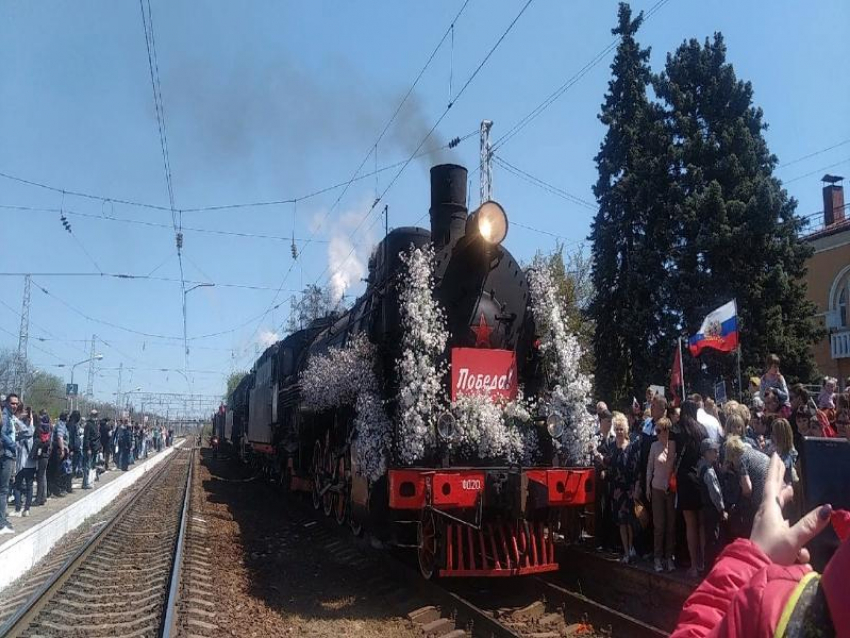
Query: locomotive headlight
(491,221)
(555,425)
(446,426)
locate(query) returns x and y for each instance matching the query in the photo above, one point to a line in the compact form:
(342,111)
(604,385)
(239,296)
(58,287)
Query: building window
(840,300)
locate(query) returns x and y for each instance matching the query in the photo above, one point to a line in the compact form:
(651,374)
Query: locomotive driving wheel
(328,472)
(341,498)
(317,475)
(428,544)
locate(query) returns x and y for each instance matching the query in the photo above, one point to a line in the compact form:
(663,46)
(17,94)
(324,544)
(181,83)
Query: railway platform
(38,533)
(634,589)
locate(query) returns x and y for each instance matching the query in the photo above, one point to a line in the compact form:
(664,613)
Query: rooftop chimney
(833,200)
(448,204)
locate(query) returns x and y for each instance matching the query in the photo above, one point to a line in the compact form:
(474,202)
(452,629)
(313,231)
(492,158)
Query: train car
(466,514)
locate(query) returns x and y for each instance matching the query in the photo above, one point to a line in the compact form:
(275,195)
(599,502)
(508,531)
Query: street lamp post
(96,357)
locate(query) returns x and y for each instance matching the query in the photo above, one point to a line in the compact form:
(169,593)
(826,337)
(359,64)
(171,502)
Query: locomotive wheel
(428,545)
(341,498)
(317,475)
(356,526)
(329,497)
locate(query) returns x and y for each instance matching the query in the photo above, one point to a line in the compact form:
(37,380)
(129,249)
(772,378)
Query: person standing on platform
(8,450)
(125,444)
(624,476)
(91,448)
(75,437)
(25,464)
(660,465)
(688,491)
(41,452)
(58,454)
(105,441)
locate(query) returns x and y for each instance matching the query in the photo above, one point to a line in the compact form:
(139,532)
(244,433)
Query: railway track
(530,607)
(125,577)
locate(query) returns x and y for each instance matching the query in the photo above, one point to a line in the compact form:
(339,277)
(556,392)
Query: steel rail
(27,612)
(169,622)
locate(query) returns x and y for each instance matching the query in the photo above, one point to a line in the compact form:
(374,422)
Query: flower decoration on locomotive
(346,376)
(565,405)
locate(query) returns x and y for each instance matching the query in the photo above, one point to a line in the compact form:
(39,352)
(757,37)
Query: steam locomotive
(464,517)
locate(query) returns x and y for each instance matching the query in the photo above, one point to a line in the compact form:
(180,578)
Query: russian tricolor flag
(719,331)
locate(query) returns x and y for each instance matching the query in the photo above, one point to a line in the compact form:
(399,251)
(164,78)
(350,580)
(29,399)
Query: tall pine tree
(631,234)
(737,236)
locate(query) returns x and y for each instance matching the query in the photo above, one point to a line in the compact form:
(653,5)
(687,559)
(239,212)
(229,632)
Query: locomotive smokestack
(448,204)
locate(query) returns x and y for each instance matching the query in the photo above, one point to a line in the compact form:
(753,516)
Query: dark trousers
(124,459)
(23,488)
(107,452)
(6,466)
(55,483)
(41,479)
(713,541)
(88,463)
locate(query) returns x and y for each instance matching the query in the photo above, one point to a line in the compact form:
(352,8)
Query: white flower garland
(562,352)
(421,393)
(346,376)
(488,429)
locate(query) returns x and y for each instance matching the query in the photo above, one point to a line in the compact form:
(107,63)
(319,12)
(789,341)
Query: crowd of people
(42,457)
(677,483)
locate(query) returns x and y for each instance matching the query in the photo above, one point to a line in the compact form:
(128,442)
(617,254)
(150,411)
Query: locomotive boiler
(465,515)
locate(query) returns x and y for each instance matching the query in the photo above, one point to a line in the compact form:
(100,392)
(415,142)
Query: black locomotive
(470,517)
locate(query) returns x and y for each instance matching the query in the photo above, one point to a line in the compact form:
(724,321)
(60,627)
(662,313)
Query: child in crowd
(826,398)
(713,508)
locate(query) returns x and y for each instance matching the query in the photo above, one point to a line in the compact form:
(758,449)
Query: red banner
(484,371)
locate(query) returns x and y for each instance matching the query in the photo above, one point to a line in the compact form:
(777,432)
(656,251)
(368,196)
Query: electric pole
(23,340)
(486,168)
(90,384)
(118,394)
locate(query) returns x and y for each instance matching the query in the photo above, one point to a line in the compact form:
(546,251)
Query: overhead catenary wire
(536,181)
(816,171)
(439,120)
(783,165)
(274,305)
(568,84)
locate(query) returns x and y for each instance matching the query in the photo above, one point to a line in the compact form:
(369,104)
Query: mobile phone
(825,476)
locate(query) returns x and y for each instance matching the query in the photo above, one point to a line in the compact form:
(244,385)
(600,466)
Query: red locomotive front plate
(484,371)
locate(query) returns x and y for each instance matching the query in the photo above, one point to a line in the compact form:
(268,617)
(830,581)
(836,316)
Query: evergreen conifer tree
(630,233)
(737,236)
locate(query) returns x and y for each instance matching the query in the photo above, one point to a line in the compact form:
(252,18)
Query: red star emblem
(482,333)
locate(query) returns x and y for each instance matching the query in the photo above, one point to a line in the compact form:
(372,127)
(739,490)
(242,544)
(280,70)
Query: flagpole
(740,385)
(681,369)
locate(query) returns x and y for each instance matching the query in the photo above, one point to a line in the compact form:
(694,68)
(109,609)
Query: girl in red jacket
(764,588)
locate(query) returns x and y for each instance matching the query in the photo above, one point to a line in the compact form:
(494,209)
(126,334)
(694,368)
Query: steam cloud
(267,338)
(274,113)
(347,262)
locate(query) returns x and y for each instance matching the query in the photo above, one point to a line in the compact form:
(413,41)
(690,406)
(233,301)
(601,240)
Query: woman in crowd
(688,491)
(25,465)
(41,453)
(763,588)
(782,443)
(603,520)
(662,458)
(751,467)
(623,466)
(735,426)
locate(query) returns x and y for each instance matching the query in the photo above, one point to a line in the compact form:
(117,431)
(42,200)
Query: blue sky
(267,101)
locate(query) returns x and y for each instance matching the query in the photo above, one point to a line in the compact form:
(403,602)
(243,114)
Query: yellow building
(828,281)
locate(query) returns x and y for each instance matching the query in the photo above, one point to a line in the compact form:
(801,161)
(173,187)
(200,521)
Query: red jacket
(745,595)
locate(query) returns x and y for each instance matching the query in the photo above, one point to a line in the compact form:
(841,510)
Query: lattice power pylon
(90,383)
(23,340)
(486,164)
